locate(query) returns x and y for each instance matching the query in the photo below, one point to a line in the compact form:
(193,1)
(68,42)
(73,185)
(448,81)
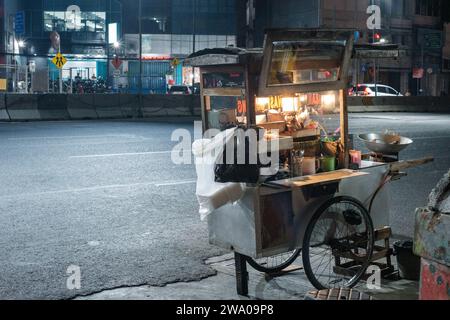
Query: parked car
(180,89)
(195,88)
(370,89)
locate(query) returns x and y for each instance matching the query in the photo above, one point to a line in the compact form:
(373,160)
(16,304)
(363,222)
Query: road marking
(105,187)
(73,137)
(174,183)
(120,154)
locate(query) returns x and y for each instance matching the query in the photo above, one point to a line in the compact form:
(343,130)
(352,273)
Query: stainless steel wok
(385,144)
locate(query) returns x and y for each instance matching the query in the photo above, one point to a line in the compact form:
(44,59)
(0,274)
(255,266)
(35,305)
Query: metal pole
(108,20)
(140,47)
(194,8)
(249,24)
(356,64)
(26,77)
(141,102)
(374,61)
(241,274)
(31,81)
(423,69)
(319,6)
(71,80)
(60,72)
(14,54)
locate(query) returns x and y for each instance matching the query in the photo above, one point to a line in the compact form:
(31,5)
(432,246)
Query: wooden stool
(379,252)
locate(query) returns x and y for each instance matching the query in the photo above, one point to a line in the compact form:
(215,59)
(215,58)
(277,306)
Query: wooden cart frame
(247,239)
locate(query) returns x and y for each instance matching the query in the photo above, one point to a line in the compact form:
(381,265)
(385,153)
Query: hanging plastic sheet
(210,194)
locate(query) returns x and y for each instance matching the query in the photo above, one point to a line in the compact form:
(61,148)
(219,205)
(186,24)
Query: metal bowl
(385,144)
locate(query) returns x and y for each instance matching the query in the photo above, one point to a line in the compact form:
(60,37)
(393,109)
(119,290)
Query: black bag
(234,171)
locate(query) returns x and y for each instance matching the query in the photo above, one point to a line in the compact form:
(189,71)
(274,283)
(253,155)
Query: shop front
(80,74)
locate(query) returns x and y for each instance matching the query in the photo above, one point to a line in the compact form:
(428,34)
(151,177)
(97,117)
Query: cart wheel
(338,244)
(276,263)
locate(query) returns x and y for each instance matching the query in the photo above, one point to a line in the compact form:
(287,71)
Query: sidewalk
(222,286)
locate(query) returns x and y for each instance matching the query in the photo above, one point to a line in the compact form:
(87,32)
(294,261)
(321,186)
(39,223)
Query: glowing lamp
(288,104)
(262,101)
(328,99)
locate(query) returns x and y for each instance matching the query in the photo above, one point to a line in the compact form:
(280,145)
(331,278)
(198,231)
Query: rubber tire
(276,269)
(309,229)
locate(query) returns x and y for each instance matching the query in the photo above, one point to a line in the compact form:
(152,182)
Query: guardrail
(29,107)
(399,104)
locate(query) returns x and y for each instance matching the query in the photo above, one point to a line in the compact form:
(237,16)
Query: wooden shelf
(320,178)
(284,143)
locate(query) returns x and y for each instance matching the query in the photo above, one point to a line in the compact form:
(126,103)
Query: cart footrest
(337,294)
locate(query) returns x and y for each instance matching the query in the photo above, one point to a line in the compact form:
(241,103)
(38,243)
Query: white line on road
(71,137)
(174,183)
(120,154)
(105,187)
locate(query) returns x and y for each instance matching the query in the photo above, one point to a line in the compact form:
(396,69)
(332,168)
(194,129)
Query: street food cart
(325,199)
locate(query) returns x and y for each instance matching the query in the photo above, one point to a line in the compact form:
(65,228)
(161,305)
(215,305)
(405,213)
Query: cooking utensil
(385,144)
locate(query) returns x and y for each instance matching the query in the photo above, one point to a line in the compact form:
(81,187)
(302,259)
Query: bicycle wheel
(275,263)
(338,244)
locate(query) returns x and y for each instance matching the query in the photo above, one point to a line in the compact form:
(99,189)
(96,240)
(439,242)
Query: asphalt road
(105,196)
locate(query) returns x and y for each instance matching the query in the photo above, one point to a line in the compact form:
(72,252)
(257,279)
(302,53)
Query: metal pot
(385,144)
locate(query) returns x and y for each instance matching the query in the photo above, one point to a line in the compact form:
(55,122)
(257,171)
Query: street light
(116,45)
(21,43)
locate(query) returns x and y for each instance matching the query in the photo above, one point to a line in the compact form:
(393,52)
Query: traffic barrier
(4,116)
(197,106)
(166,105)
(25,107)
(107,106)
(399,104)
(153,106)
(22,107)
(52,107)
(162,106)
(81,107)
(130,105)
(197,112)
(179,106)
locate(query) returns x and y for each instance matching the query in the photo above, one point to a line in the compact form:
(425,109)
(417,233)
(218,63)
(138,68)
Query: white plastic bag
(210,194)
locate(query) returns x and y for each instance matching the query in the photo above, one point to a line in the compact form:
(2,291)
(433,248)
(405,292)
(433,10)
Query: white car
(369,90)
(179,89)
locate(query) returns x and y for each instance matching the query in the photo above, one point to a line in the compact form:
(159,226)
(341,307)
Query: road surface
(104,196)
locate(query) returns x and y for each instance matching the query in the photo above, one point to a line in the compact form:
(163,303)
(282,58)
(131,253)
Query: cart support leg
(241,274)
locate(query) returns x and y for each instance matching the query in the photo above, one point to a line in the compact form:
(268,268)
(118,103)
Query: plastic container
(408,262)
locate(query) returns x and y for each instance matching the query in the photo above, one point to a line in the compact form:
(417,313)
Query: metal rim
(341,229)
(275,263)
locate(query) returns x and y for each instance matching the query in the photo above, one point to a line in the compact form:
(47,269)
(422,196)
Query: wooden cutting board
(320,178)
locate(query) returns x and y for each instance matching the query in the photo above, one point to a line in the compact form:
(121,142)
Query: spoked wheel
(276,263)
(338,244)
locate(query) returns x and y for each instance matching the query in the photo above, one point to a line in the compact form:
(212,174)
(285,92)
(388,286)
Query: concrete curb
(4,115)
(31,107)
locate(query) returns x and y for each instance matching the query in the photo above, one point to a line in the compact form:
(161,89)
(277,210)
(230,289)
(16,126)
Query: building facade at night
(81,24)
(417,26)
(171,29)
